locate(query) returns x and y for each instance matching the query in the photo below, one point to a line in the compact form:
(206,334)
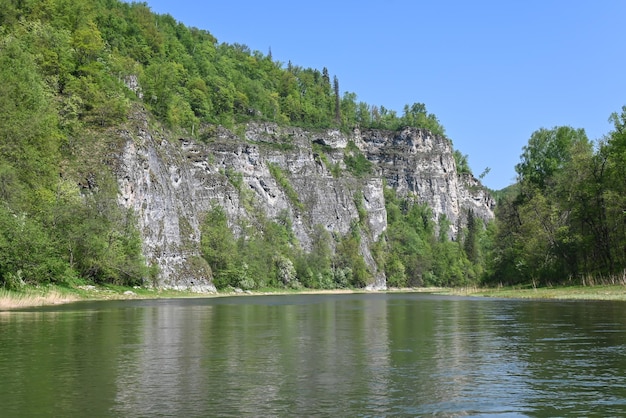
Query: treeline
(185,76)
(565,220)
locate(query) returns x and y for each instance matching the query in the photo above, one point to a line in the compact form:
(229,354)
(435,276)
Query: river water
(315,355)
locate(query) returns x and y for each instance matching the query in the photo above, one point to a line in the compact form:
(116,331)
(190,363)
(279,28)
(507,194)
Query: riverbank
(595,292)
(31,297)
(55,295)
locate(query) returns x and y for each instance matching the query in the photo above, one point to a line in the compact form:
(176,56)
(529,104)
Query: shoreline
(612,292)
(32,297)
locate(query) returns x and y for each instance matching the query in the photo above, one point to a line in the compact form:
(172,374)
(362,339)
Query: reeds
(16,300)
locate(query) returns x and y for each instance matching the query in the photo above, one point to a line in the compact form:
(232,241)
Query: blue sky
(493,72)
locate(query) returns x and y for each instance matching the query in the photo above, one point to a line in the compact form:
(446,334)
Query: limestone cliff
(170,182)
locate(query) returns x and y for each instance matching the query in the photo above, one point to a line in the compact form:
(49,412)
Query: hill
(102,100)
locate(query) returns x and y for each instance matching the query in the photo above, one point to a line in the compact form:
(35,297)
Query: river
(373,354)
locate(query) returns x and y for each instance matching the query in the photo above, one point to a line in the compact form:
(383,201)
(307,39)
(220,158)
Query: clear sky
(493,72)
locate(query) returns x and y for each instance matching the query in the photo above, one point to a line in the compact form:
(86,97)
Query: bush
(356,162)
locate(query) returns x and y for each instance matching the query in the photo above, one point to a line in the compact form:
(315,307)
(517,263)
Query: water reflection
(370,355)
(159,369)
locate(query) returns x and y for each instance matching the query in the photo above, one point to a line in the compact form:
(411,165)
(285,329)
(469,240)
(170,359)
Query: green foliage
(462,163)
(356,162)
(27,249)
(417,116)
(29,135)
(235,178)
(351,269)
(411,237)
(470,245)
(315,268)
(219,247)
(285,270)
(320,153)
(547,152)
(360,207)
(88,237)
(261,258)
(56,87)
(565,220)
(186,76)
(270,255)
(420,254)
(284,183)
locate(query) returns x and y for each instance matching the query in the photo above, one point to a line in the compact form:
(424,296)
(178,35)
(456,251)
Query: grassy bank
(31,297)
(54,295)
(596,292)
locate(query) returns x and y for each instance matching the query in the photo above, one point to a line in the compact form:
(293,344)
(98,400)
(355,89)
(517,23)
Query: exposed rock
(171,183)
(415,161)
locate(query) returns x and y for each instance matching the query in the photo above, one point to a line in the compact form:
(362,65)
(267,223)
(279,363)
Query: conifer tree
(337,100)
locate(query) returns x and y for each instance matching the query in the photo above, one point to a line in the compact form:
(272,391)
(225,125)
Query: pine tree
(337,101)
(471,241)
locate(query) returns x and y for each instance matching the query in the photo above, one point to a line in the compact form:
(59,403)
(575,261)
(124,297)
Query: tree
(471,239)
(486,171)
(88,43)
(219,247)
(548,151)
(337,100)
(462,163)
(29,135)
(555,229)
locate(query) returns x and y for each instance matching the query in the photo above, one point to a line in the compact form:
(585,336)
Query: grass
(54,295)
(596,292)
(31,297)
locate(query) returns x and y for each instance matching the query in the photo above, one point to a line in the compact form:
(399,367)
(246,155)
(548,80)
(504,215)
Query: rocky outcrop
(413,161)
(170,182)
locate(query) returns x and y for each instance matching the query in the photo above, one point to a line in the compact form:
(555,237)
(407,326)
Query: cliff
(171,182)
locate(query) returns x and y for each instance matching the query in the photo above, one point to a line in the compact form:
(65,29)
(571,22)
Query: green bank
(596,292)
(53,295)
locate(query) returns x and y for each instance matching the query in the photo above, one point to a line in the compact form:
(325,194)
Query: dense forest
(565,219)
(71,71)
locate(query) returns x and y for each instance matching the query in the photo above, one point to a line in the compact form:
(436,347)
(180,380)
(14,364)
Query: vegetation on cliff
(72,70)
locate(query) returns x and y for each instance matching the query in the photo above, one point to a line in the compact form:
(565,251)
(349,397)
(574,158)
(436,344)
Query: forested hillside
(72,73)
(85,50)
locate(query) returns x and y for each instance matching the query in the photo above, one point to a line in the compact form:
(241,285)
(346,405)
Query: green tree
(350,267)
(337,100)
(219,247)
(462,163)
(470,244)
(548,151)
(29,135)
(88,43)
(544,232)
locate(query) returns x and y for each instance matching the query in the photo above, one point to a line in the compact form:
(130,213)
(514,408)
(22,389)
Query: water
(315,355)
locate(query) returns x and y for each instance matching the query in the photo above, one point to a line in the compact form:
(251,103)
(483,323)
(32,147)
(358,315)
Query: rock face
(171,182)
(415,161)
